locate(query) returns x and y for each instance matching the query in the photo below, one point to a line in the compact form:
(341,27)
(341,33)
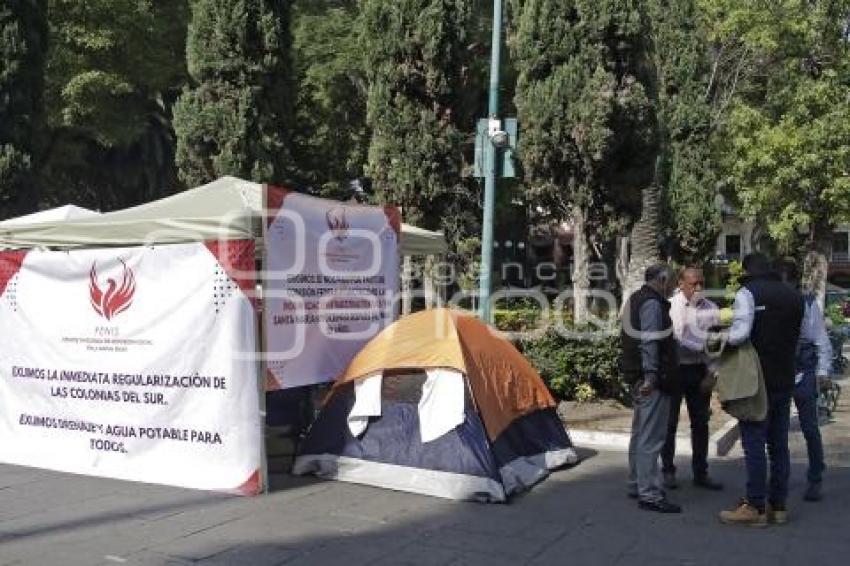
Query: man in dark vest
(649,362)
(768,313)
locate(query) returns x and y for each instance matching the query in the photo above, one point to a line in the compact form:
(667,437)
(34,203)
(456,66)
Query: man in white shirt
(693,315)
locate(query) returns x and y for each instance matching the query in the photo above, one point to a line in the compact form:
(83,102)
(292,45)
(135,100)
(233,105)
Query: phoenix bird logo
(117,298)
(337,223)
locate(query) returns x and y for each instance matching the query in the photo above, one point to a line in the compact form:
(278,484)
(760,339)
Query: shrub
(516,320)
(578,369)
(733,283)
(835,313)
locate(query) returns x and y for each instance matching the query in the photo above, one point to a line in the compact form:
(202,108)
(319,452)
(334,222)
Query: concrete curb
(719,444)
(723,440)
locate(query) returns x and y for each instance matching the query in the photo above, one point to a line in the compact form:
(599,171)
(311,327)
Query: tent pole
(406,271)
(259,290)
(428,282)
(261,387)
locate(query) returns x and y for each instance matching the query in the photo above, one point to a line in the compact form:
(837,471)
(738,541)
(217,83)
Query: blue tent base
(461,464)
(436,483)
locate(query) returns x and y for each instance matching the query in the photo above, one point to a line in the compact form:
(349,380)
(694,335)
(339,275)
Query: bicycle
(828,394)
(837,338)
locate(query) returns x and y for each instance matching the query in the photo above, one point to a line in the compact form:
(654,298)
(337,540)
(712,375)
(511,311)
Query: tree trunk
(621,262)
(815,265)
(581,261)
(644,240)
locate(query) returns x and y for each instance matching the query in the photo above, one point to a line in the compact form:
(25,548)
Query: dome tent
(438,404)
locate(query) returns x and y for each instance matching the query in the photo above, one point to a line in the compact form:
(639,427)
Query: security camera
(500,139)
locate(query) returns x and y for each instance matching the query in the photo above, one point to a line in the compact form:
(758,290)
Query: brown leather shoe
(776,514)
(744,514)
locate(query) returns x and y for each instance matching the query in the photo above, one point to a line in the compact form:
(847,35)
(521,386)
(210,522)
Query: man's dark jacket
(776,328)
(668,352)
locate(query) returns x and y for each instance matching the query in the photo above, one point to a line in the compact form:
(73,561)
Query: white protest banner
(132,363)
(332,277)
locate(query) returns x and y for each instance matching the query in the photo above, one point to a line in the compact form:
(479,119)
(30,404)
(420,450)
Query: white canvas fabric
(225,209)
(441,407)
(333,276)
(108,368)
(60,213)
(367,403)
(448,485)
(418,241)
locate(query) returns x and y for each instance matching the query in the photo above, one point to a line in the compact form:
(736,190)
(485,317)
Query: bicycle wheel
(831,397)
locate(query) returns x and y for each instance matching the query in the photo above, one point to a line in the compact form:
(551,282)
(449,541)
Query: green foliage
(583,101)
(788,129)
(791,168)
(114,70)
(684,115)
(236,119)
(835,314)
(578,368)
(109,61)
(733,280)
(23,39)
(467,251)
(331,139)
(517,320)
(415,56)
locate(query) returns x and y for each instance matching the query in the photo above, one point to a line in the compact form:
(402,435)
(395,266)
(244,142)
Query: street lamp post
(496,140)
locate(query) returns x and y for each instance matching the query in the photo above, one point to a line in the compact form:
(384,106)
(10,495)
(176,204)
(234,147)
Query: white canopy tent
(60,213)
(225,210)
(228,208)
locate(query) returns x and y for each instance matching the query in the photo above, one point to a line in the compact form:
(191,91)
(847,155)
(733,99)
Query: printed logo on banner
(116,299)
(118,396)
(337,223)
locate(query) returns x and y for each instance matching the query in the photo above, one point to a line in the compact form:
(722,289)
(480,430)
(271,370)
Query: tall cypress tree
(331,139)
(23,42)
(415,59)
(686,174)
(584,106)
(237,117)
(114,70)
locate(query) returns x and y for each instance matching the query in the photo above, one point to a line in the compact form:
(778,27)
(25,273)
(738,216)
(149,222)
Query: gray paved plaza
(578,516)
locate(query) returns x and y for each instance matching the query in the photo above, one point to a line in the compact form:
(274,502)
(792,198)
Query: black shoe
(813,492)
(706,482)
(634,494)
(660,506)
(669,480)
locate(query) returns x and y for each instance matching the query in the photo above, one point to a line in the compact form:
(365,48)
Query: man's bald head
(691,282)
